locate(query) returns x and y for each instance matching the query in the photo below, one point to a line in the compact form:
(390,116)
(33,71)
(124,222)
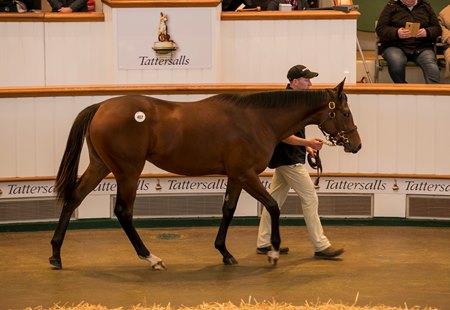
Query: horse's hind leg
(254,187)
(229,207)
(126,195)
(88,181)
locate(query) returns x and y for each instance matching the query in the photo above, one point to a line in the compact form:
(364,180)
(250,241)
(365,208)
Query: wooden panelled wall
(404,128)
(81,49)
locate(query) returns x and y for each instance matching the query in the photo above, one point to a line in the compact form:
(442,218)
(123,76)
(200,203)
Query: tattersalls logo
(164,45)
(164,48)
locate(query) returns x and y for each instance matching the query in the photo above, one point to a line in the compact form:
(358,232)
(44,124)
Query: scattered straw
(250,305)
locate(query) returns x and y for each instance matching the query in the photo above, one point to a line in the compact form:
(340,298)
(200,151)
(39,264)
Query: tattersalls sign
(164,38)
(218,184)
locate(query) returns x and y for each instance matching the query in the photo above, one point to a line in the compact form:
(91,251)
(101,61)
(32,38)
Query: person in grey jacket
(399,45)
(68,6)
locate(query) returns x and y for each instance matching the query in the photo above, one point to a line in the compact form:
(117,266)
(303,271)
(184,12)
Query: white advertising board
(164,38)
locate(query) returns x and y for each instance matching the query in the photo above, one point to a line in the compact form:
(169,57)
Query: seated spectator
(68,6)
(19,6)
(232,5)
(32,5)
(399,45)
(444,20)
(11,6)
(272,5)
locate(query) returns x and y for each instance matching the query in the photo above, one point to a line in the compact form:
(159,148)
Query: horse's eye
(346,114)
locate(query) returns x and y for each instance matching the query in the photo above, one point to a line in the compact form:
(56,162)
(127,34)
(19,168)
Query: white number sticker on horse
(139,117)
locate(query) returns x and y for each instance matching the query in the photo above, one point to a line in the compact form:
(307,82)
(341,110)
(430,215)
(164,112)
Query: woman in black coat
(400,45)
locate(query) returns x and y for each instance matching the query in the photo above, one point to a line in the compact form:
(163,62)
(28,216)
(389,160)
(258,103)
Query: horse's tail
(66,179)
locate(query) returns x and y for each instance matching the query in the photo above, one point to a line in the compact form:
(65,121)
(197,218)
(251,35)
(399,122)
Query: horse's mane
(276,99)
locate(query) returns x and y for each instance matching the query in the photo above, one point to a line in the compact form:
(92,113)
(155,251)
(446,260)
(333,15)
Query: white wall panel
(263,50)
(425,134)
(44,141)
(22,54)
(365,117)
(390,205)
(8,148)
(407,138)
(80,53)
(110,42)
(25,125)
(442,144)
(387,134)
(257,62)
(76,53)
(95,206)
(228,40)
(159,76)
(402,134)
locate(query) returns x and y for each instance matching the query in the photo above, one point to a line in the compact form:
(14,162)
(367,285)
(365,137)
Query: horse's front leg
(229,206)
(275,239)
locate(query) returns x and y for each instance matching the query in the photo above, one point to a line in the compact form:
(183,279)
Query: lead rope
(326,142)
(316,163)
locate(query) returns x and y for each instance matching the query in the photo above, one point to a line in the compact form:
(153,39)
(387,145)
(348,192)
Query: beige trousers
(297,177)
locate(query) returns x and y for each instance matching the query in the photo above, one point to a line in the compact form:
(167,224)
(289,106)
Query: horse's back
(191,138)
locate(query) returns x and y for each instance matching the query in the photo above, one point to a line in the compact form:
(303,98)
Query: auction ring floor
(384,265)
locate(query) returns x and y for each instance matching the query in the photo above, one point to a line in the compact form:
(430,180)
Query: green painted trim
(205,222)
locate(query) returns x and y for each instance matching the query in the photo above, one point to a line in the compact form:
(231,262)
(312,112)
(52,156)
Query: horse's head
(337,122)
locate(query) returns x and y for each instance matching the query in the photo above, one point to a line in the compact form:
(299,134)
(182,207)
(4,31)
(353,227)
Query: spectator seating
(380,62)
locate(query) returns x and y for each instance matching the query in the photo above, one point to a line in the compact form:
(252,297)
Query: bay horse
(226,134)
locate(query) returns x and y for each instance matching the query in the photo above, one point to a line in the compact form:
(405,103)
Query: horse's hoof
(272,257)
(155,261)
(159,266)
(55,262)
(272,261)
(230,261)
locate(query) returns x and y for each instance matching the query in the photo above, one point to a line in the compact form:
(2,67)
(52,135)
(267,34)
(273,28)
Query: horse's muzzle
(353,145)
(356,150)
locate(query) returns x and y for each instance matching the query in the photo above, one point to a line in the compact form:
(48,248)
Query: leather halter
(338,138)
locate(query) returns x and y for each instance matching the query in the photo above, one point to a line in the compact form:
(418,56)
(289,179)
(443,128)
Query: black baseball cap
(299,71)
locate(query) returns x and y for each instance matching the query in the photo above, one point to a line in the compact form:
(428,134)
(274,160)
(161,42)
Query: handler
(288,160)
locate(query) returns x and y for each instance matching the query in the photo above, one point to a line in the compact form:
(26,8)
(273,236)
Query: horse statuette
(228,134)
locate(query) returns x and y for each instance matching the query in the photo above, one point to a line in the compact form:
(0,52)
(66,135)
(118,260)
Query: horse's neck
(288,124)
(290,120)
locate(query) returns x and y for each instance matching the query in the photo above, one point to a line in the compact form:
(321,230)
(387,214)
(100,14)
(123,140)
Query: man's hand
(65,10)
(315,144)
(311,151)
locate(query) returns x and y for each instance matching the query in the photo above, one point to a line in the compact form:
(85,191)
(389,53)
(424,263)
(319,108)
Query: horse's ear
(340,87)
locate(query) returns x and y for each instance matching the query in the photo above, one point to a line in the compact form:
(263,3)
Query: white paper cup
(284,7)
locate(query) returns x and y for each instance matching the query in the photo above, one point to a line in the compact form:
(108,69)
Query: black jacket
(272,5)
(288,154)
(395,15)
(76,5)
